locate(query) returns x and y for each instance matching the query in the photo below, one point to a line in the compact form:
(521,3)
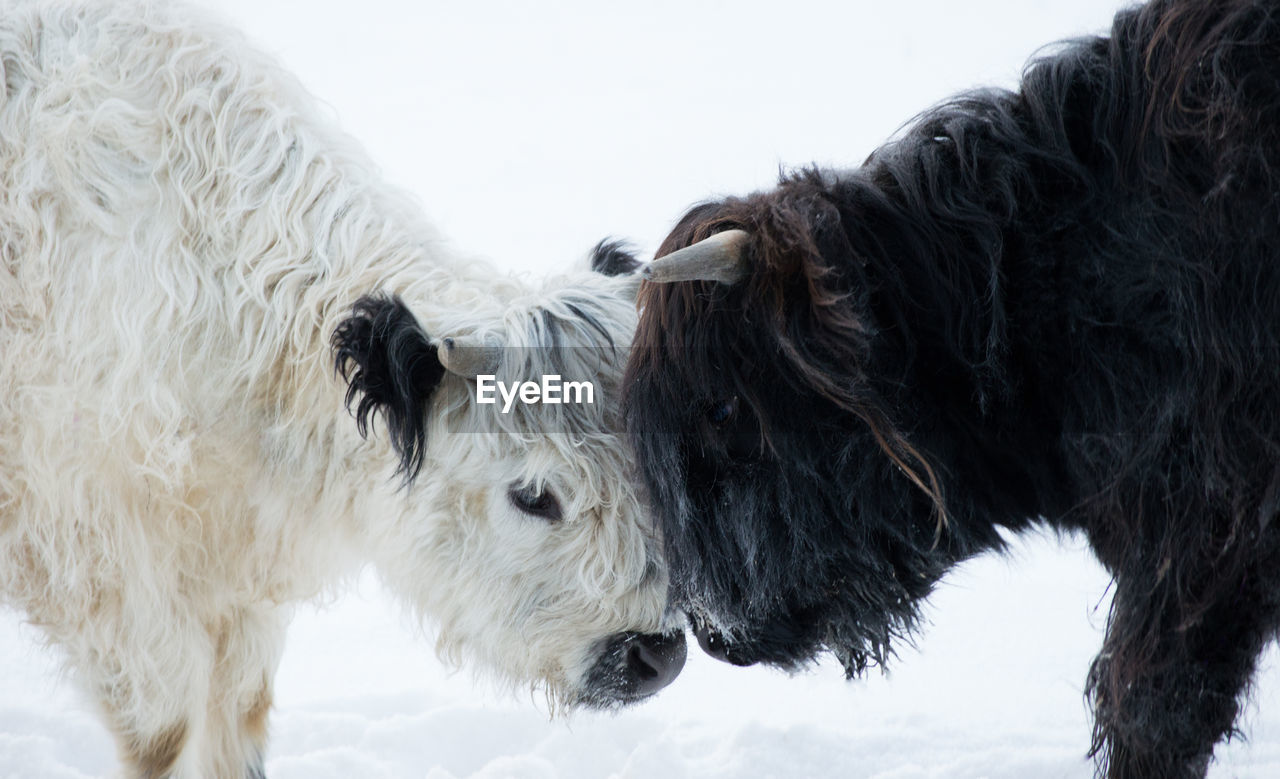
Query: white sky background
(529,131)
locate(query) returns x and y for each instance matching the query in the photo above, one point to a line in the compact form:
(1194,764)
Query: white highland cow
(186,255)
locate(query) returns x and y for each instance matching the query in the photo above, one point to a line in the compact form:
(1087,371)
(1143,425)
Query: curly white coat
(180,234)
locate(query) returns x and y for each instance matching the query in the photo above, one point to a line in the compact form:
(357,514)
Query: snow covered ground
(530,131)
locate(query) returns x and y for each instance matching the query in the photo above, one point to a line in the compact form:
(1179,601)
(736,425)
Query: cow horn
(718,258)
(469,357)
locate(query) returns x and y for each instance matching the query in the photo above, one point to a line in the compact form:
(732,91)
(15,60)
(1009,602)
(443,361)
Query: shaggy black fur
(1060,304)
(613,258)
(391,367)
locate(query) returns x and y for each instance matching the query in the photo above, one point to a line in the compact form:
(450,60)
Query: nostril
(632,666)
(713,643)
(654,661)
(642,662)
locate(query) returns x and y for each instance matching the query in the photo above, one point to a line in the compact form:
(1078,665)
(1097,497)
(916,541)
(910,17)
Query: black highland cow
(1058,305)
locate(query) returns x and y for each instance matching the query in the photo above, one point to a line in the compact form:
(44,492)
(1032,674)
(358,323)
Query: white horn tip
(469,357)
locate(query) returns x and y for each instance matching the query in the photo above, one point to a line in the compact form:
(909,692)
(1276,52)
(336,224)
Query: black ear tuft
(390,365)
(613,258)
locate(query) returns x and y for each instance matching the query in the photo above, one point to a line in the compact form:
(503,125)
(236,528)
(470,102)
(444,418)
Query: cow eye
(722,412)
(536,502)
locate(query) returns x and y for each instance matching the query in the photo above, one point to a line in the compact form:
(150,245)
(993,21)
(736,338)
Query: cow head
(797,515)
(516,529)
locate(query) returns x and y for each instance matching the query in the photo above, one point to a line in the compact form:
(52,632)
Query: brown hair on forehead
(794,289)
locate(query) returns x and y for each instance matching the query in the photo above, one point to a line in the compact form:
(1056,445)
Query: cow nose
(713,643)
(654,661)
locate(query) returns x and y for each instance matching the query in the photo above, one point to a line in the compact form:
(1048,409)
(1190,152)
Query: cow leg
(150,678)
(185,697)
(1182,643)
(249,643)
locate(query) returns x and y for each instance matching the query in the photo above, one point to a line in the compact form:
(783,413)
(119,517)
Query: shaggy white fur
(180,235)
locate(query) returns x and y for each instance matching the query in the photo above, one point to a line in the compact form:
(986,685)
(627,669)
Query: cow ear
(390,367)
(613,258)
